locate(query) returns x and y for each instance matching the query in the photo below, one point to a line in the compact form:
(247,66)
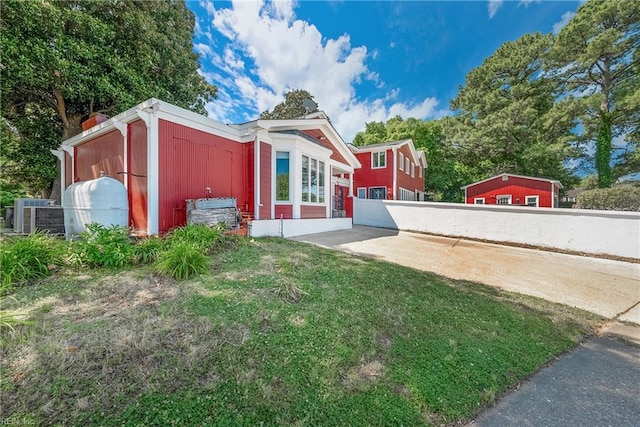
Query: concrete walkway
(608,288)
(598,384)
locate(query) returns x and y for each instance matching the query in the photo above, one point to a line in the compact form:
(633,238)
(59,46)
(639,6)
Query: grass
(280,333)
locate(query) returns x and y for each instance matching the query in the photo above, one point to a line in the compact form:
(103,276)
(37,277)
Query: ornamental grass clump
(147,250)
(182,260)
(202,236)
(27,258)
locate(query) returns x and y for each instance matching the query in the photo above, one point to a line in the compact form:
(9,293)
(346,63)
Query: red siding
(517,188)
(68,170)
(103,153)
(322,140)
(137,177)
(285,210)
(368,177)
(265,180)
(190,161)
(404,179)
(307,212)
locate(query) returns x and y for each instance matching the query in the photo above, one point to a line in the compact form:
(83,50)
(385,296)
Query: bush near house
(611,199)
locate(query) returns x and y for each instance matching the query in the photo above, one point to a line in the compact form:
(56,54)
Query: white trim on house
(394,151)
(514,176)
(503,196)
(386,194)
(150,118)
(123,128)
(309,124)
(406,195)
(373,153)
(537,201)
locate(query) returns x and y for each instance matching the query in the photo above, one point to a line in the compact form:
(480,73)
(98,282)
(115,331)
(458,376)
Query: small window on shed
(401,162)
(478,201)
(531,201)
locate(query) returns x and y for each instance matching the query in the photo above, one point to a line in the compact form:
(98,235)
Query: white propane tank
(103,201)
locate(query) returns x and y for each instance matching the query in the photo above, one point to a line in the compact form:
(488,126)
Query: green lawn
(280,333)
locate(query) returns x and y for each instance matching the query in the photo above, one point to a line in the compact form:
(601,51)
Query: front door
(337,202)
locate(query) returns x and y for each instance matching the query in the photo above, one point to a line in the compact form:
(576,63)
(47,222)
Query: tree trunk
(72,126)
(603,151)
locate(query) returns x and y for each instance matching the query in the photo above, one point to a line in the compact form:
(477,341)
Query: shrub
(199,235)
(26,258)
(147,250)
(102,246)
(182,260)
(610,199)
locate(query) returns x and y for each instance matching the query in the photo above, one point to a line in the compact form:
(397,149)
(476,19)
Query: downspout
(148,116)
(395,173)
(256,179)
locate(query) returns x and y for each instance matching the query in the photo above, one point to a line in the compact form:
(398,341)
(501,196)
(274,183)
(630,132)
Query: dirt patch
(362,375)
(121,332)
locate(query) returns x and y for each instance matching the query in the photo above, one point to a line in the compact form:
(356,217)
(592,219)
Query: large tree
(64,60)
(596,57)
(444,174)
(503,121)
(297,103)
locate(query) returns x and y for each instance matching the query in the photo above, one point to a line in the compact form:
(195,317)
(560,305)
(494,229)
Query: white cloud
(564,20)
(208,6)
(271,52)
(493,6)
(526,3)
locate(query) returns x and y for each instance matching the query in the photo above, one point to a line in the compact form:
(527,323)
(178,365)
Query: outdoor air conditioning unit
(19,206)
(49,218)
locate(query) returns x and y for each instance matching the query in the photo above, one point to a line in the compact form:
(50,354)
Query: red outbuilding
(390,170)
(509,189)
(277,170)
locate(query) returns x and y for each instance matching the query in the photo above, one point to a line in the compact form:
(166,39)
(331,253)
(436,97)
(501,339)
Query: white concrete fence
(579,230)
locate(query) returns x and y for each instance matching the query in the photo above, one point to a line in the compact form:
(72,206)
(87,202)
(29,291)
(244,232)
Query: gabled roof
(379,145)
(390,144)
(318,121)
(553,181)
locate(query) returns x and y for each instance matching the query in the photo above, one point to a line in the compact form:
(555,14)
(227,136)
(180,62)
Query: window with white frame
(478,201)
(401,162)
(282,176)
(379,160)
(503,200)
(531,201)
(406,195)
(379,193)
(413,170)
(406,165)
(420,171)
(362,192)
(312,180)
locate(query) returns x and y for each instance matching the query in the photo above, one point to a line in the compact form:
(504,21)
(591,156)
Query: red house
(275,169)
(390,170)
(508,189)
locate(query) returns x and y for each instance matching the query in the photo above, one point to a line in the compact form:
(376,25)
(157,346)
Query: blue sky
(363,61)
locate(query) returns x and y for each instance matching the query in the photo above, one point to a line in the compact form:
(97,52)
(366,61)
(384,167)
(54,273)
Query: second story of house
(390,170)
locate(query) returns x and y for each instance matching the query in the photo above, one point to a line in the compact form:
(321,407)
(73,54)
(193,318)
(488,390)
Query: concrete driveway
(605,287)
